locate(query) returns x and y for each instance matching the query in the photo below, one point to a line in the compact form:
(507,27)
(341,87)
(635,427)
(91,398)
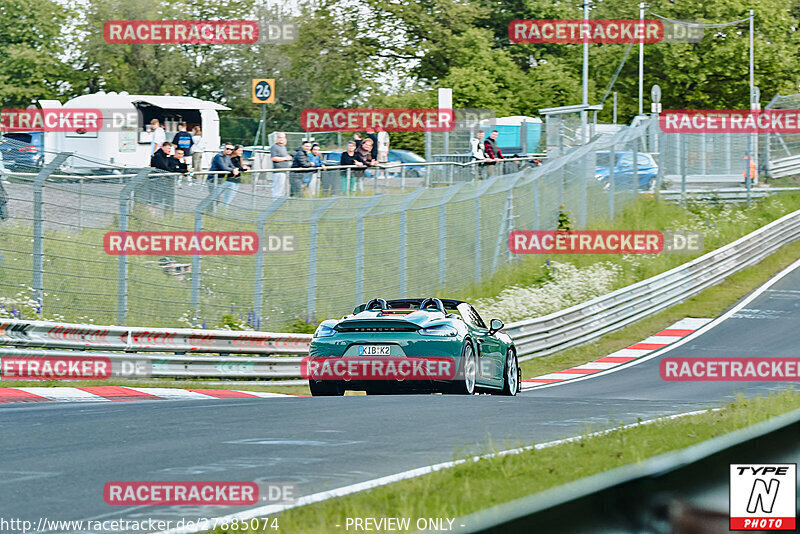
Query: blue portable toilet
(510,138)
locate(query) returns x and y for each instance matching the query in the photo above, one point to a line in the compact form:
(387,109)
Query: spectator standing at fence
(477,142)
(369,161)
(280,160)
(232,180)
(372,135)
(183,140)
(351,157)
(161,188)
(301,160)
(158,136)
(310,182)
(198,146)
(383,148)
(491,150)
(222,162)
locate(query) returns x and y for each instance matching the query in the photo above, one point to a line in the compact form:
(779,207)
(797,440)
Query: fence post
(584,185)
(38,226)
(478,194)
(660,141)
(360,247)
(258,289)
(612,186)
(508,208)
(80,203)
(122,262)
(682,152)
(443,231)
(313,234)
(636,166)
(403,267)
(536,213)
(194,302)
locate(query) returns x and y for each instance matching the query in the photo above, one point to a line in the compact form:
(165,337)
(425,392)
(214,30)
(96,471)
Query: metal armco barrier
(593,319)
(135,339)
(139,366)
(534,337)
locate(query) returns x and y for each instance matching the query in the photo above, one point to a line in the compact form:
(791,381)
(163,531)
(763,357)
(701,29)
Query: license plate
(373,350)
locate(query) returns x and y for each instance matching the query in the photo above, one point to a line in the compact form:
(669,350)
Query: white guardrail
(533,337)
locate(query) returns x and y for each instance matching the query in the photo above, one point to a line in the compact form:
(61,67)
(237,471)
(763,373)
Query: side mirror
(495,325)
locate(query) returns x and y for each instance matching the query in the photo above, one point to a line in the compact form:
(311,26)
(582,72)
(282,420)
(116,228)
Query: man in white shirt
(159,136)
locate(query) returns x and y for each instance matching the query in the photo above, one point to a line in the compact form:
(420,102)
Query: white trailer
(124,140)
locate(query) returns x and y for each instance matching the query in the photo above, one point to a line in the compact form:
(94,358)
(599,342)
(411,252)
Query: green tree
(32,59)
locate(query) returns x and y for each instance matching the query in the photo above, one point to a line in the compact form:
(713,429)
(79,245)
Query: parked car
(623,170)
(412,332)
(22,151)
(396,156)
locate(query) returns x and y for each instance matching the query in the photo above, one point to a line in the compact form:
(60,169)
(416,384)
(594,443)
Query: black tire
(326,388)
(511,374)
(465,383)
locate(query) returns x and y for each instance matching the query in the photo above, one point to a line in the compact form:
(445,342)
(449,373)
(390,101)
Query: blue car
(395,156)
(623,170)
(22,151)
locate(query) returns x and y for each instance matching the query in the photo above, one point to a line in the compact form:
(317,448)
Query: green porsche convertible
(412,345)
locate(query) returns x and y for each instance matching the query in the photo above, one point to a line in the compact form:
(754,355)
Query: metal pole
(682,151)
(38,226)
(263,124)
(313,234)
(612,186)
(360,248)
(615,107)
(752,79)
(194,299)
(585,92)
(122,265)
(80,203)
(261,227)
(403,256)
(641,59)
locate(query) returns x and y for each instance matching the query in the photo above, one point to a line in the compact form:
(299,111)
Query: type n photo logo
(763,497)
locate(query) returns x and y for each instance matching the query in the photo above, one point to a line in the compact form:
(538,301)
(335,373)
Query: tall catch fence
(782,150)
(317,257)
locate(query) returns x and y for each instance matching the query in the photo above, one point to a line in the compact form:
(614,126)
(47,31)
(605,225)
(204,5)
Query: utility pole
(641,58)
(585,72)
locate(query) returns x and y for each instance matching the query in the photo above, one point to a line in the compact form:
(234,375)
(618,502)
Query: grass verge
(489,482)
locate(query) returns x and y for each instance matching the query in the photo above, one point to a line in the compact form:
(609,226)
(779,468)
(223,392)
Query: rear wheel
(511,374)
(465,385)
(326,388)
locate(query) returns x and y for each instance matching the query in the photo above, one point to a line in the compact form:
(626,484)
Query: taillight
(28,149)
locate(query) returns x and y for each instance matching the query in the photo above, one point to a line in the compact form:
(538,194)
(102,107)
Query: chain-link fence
(317,257)
(781,153)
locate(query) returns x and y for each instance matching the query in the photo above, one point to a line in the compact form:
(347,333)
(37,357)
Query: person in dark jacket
(162,188)
(222,162)
(301,160)
(351,157)
(232,181)
(490,148)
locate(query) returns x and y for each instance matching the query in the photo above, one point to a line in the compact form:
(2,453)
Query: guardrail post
(313,234)
(403,267)
(360,247)
(443,231)
(194,302)
(258,289)
(38,226)
(122,261)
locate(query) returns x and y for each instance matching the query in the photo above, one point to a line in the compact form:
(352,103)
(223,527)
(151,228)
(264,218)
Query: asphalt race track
(56,458)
